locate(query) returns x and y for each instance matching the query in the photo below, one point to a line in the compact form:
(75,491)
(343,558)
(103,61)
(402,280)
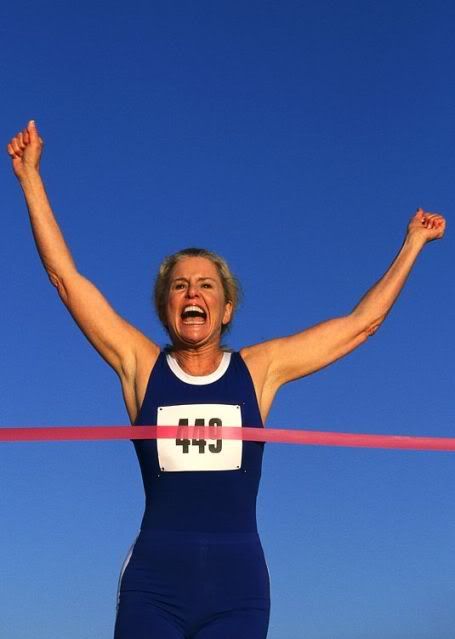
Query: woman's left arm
(285,359)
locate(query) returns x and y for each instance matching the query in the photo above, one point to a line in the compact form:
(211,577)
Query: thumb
(420,214)
(33,131)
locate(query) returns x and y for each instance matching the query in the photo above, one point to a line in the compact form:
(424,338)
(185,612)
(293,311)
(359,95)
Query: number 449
(200,441)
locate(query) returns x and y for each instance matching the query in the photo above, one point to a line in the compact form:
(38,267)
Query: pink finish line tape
(278,435)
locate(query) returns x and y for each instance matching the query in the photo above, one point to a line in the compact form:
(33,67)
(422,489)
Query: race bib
(201,453)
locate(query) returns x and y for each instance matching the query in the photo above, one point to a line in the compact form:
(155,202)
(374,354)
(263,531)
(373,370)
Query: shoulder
(142,358)
(136,375)
(145,359)
(258,360)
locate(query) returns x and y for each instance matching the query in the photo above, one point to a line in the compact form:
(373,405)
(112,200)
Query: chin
(195,337)
(192,337)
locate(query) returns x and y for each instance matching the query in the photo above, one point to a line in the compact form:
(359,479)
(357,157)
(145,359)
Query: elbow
(371,330)
(368,325)
(58,282)
(372,327)
(54,279)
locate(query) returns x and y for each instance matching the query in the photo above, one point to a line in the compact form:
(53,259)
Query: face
(196,309)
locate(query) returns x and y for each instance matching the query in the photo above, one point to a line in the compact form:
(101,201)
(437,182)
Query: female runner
(197,569)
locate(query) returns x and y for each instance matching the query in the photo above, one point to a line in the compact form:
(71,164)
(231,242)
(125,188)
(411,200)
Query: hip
(207,563)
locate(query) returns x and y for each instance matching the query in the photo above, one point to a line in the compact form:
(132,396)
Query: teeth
(193,308)
(193,314)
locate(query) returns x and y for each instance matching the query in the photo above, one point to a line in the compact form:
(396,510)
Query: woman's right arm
(117,341)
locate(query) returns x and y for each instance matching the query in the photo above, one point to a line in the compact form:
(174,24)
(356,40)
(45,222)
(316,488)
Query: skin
(195,281)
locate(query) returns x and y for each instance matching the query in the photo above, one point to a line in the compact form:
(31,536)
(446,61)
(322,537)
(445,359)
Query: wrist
(415,240)
(28,175)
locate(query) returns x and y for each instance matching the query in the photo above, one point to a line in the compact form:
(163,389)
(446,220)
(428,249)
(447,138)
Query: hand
(427,226)
(25,150)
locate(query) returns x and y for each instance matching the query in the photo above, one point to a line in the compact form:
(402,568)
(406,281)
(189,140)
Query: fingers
(11,152)
(19,142)
(430,220)
(433,221)
(17,145)
(429,226)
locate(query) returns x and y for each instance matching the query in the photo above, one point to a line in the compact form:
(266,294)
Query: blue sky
(296,139)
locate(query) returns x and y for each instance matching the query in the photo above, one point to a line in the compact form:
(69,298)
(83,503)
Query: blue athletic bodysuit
(197,569)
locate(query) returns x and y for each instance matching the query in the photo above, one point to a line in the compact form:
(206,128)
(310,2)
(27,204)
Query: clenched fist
(25,150)
(427,226)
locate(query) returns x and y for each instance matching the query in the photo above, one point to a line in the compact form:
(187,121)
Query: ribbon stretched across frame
(278,435)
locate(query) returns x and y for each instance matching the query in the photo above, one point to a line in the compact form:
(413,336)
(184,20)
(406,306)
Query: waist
(198,537)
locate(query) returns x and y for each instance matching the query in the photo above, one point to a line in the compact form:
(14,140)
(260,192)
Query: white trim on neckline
(199,380)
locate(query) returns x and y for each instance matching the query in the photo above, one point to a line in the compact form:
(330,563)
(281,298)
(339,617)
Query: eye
(207,285)
(178,286)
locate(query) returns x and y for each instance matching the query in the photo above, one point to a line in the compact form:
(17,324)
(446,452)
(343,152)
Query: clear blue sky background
(295,138)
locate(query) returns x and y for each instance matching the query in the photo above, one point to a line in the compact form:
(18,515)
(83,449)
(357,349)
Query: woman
(197,569)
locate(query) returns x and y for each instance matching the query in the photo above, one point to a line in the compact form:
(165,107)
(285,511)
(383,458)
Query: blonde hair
(231,286)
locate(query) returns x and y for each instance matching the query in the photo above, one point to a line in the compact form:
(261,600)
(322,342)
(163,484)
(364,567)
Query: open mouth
(193,314)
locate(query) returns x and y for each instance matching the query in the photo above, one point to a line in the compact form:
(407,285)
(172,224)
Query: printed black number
(183,442)
(216,448)
(200,442)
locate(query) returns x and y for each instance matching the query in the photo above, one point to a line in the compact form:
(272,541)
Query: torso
(199,484)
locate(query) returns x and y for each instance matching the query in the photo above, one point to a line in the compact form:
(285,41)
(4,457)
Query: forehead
(190,267)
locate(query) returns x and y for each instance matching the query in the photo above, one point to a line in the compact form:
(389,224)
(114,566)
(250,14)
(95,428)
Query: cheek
(170,309)
(172,302)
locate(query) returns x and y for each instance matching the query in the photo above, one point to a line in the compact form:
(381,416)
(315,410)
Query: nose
(191,291)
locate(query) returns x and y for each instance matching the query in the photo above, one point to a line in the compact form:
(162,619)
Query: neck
(201,361)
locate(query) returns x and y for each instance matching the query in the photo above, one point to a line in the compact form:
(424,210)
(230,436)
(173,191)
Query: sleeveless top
(200,485)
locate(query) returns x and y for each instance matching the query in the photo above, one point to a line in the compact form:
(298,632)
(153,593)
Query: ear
(227,316)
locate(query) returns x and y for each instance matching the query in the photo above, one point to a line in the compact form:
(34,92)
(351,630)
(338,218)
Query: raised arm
(279,361)
(117,341)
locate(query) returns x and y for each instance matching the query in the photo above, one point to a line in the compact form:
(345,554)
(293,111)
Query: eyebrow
(185,279)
